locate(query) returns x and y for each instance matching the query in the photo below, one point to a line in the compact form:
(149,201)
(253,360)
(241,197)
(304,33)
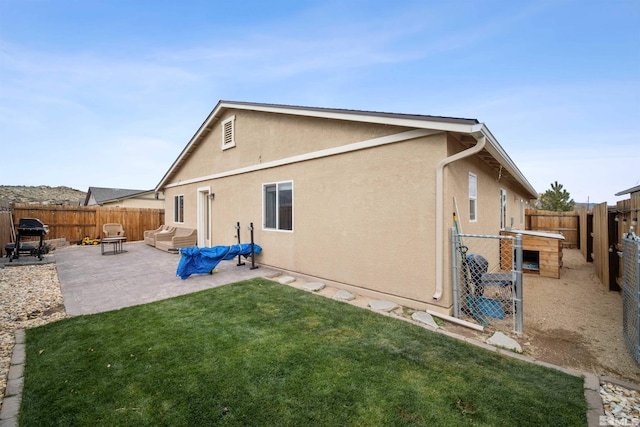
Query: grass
(259,353)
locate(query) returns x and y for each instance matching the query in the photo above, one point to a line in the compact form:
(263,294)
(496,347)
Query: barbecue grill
(29,227)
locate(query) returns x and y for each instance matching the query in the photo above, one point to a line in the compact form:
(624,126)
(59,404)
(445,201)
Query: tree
(556,199)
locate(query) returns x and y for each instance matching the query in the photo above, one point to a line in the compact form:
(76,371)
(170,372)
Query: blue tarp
(197,260)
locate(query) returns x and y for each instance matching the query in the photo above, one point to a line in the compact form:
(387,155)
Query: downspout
(440,210)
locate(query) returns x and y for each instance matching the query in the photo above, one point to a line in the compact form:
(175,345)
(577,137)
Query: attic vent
(228,138)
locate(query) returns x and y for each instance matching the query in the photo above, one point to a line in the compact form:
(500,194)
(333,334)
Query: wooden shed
(541,252)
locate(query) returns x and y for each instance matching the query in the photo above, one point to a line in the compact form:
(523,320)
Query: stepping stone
(285,280)
(344,295)
(383,305)
(501,340)
(426,318)
(313,286)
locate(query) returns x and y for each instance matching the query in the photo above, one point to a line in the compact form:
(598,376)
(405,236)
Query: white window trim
(175,206)
(229,122)
(503,208)
(293,213)
(474,198)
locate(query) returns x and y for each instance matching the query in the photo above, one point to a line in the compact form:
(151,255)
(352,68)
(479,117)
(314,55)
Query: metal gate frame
(458,252)
(631,292)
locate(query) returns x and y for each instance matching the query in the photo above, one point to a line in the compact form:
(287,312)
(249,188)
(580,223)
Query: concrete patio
(95,283)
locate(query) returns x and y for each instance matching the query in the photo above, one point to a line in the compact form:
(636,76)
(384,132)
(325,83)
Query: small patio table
(117,242)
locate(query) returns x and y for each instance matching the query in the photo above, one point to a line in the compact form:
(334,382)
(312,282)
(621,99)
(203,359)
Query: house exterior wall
(364,219)
(92,201)
(489,183)
(489,186)
(145,201)
(264,137)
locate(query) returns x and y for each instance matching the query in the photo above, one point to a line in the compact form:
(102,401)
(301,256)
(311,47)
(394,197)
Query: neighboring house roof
(629,191)
(493,153)
(103,195)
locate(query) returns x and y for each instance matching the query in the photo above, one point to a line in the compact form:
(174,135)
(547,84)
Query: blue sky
(108,92)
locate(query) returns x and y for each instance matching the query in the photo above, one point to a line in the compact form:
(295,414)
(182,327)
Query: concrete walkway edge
(15,381)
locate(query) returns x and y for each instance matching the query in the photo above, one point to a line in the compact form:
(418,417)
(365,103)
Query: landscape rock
(383,305)
(313,286)
(285,280)
(29,296)
(424,317)
(344,295)
(499,339)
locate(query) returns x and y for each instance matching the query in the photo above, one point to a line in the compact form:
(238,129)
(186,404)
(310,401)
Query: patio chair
(112,230)
(150,235)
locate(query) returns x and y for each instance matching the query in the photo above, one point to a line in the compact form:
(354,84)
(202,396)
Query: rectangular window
(473,198)
(228,133)
(278,206)
(178,208)
(521,211)
(503,208)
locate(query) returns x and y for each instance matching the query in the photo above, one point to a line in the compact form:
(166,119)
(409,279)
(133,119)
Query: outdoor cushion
(150,235)
(177,238)
(112,230)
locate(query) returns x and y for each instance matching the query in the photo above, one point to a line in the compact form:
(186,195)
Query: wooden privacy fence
(76,222)
(627,213)
(5,230)
(586,234)
(565,223)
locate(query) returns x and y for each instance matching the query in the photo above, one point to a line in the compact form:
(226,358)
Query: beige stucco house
(360,200)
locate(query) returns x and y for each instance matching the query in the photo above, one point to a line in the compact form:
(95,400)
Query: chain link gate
(487,280)
(631,292)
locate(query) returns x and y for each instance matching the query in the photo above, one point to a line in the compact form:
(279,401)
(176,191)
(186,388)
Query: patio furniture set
(169,238)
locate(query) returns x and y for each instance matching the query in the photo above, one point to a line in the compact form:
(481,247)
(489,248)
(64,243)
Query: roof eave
(628,191)
(495,149)
(437,123)
(466,126)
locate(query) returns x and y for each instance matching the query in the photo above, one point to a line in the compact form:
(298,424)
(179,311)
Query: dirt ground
(575,322)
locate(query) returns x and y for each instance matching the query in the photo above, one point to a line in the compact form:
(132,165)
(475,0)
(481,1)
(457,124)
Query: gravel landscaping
(29,296)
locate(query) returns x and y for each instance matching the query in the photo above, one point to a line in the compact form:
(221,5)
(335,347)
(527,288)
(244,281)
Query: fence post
(518,290)
(454,270)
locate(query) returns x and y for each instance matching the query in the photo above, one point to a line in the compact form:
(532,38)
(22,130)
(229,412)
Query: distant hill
(42,194)
(584,206)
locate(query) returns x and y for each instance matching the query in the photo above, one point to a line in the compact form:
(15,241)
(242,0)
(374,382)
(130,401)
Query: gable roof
(102,195)
(493,153)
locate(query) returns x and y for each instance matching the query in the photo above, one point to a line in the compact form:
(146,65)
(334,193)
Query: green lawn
(259,353)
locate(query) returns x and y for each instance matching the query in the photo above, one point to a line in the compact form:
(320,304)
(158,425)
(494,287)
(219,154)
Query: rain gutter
(482,140)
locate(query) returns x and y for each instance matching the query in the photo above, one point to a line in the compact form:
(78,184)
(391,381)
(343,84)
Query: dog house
(541,252)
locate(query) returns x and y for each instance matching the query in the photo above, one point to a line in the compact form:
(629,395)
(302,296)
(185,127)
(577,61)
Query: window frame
(521,211)
(231,123)
(503,208)
(473,198)
(277,207)
(178,209)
